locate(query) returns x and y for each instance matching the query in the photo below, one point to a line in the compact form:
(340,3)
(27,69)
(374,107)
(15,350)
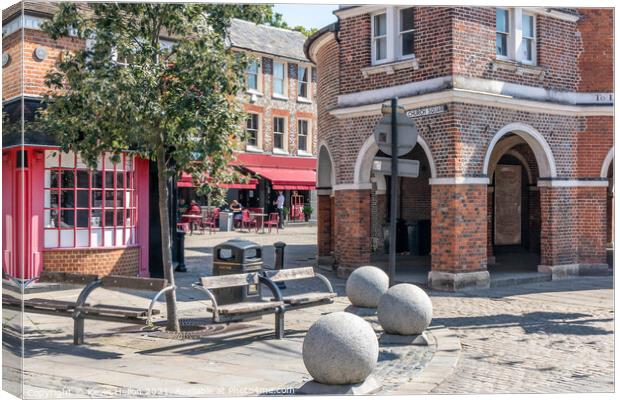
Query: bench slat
(224,281)
(134,282)
(290,274)
(306,298)
(114,311)
(246,307)
(66,277)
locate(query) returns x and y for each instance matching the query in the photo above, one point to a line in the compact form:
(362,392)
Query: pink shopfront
(60,216)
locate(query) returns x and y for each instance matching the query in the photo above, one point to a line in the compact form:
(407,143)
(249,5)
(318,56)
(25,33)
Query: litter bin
(237,256)
(413,233)
(226,221)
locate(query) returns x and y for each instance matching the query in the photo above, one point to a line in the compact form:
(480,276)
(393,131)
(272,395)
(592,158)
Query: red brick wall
(592,206)
(324,228)
(596,61)
(459,238)
(558,240)
(12,73)
(594,142)
(352,230)
(93,261)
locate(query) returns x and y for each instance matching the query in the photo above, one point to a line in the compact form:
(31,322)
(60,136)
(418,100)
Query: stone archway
(607,172)
(326,180)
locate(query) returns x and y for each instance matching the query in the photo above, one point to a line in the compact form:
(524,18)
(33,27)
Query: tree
(277,20)
(127,90)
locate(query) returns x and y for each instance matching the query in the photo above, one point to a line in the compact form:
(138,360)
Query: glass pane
(108,237)
(407,43)
(82,218)
(253,67)
(129,163)
(406,19)
(303,74)
(110,162)
(303,143)
(278,70)
(128,198)
(95,218)
(54,176)
(501,44)
(53,199)
(67,199)
(109,180)
(303,89)
(67,179)
(128,179)
(109,198)
(119,179)
(82,179)
(96,237)
(119,236)
(278,86)
(50,218)
(119,199)
(96,198)
(277,140)
(381,49)
(527,49)
(119,218)
(501,20)
(51,238)
(252,82)
(98,179)
(109,218)
(380,22)
(67,160)
(252,138)
(81,163)
(528,26)
(82,198)
(81,238)
(66,238)
(67,218)
(51,159)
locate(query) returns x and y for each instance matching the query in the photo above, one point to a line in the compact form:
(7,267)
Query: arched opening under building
(325,205)
(413,241)
(610,215)
(513,207)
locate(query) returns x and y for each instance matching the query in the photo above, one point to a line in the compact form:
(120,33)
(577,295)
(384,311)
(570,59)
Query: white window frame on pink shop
(100,226)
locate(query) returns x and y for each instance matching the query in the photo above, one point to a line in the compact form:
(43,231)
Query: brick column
(490,255)
(592,229)
(459,236)
(324,226)
(352,230)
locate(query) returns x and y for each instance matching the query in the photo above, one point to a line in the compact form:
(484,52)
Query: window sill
(279,97)
(518,68)
(304,100)
(254,92)
(253,149)
(302,153)
(280,152)
(391,67)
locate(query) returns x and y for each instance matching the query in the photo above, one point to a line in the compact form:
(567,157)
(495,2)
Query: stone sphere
(366,285)
(405,309)
(340,348)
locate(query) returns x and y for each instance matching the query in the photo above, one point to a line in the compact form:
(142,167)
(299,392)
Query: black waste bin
(413,233)
(237,256)
(402,237)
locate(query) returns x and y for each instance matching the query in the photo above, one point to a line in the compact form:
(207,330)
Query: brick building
(280,102)
(59,216)
(514,109)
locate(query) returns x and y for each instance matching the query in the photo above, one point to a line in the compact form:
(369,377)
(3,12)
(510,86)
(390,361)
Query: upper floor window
(252,129)
(251,76)
(515,35)
(279,78)
(302,135)
(303,77)
(392,33)
(279,124)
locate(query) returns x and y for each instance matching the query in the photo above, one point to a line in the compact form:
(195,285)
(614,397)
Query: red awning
(186,181)
(287,178)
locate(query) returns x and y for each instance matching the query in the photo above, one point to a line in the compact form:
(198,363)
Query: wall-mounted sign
(40,53)
(406,168)
(426,111)
(6,58)
(407,134)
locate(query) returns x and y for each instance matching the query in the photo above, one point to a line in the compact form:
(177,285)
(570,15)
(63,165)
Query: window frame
(307,97)
(258,145)
(284,93)
(374,38)
(392,35)
(257,74)
(402,56)
(533,61)
(308,149)
(515,38)
(53,211)
(509,34)
(284,147)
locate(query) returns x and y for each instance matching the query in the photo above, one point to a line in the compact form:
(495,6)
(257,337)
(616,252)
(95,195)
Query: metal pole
(393,193)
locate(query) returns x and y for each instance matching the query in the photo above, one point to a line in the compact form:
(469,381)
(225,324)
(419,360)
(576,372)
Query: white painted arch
(538,144)
(325,174)
(607,162)
(363,163)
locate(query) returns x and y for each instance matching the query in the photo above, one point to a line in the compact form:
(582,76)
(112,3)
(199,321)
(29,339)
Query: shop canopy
(285,173)
(186,181)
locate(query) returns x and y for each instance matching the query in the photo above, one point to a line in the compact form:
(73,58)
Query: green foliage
(128,92)
(307,210)
(278,22)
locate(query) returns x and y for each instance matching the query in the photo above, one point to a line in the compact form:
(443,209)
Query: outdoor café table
(261,219)
(194,218)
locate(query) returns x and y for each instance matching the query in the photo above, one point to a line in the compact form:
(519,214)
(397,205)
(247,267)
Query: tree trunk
(171,296)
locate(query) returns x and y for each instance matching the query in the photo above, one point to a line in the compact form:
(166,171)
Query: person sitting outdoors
(237,210)
(194,208)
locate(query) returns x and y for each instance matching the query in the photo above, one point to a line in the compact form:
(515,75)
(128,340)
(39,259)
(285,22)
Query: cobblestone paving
(548,337)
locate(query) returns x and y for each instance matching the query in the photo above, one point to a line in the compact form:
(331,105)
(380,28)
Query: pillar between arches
(324,228)
(459,236)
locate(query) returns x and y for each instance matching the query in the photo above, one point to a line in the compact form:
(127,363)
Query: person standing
(279,203)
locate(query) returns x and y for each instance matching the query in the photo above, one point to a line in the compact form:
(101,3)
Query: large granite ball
(366,285)
(405,309)
(340,348)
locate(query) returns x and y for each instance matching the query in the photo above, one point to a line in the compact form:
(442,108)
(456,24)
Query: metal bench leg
(78,330)
(279,316)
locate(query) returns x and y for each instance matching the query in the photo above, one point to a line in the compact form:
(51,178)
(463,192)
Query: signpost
(396,135)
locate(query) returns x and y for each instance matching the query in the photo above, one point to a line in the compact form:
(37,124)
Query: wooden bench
(277,304)
(81,310)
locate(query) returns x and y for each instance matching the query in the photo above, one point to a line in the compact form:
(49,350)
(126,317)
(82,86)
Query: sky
(307,15)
